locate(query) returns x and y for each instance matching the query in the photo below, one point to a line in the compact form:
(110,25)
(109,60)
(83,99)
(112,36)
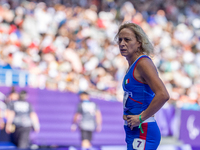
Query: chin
(123,54)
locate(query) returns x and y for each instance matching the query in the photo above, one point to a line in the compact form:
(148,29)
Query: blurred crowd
(70,45)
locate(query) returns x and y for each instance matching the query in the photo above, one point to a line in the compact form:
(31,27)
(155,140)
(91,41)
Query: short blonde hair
(146,45)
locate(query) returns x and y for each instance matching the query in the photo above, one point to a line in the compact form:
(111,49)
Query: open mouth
(122,50)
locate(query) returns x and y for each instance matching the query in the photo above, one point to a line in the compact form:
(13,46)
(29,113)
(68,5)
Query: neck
(133,59)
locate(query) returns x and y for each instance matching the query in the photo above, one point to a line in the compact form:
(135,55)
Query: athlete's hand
(133,121)
(73,127)
(98,128)
(8,128)
(2,124)
(124,117)
(37,130)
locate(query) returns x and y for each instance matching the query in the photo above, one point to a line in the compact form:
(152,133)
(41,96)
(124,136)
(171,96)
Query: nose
(121,43)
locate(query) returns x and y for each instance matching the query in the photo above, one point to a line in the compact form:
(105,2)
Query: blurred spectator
(21,119)
(3,108)
(88,118)
(69,46)
(3,112)
(12,96)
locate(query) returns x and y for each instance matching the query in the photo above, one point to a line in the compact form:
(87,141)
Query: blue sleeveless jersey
(137,95)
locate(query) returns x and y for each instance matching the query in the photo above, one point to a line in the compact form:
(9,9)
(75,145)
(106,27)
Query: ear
(139,44)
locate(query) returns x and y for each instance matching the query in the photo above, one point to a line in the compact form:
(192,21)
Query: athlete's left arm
(98,120)
(149,75)
(35,121)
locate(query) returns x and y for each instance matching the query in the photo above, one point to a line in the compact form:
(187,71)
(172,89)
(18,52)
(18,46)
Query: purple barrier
(190,127)
(166,120)
(55,111)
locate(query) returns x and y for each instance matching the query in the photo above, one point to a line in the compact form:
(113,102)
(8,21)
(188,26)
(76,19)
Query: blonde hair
(146,45)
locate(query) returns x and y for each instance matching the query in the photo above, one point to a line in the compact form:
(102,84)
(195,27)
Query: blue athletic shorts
(149,140)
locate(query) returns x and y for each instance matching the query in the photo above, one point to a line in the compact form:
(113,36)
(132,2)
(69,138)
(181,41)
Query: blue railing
(13,77)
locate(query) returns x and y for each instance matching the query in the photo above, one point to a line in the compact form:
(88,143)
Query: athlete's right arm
(75,121)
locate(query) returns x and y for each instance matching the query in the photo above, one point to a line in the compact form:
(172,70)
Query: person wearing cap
(21,118)
(3,111)
(88,118)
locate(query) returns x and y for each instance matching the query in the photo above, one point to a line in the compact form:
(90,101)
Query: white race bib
(138,144)
(125,98)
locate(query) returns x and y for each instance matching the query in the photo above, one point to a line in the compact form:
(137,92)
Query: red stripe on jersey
(135,100)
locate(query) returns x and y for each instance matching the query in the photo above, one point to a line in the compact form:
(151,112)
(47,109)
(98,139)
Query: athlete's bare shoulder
(146,68)
(146,62)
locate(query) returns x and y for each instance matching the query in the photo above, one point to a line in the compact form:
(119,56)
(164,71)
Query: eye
(119,40)
(126,39)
